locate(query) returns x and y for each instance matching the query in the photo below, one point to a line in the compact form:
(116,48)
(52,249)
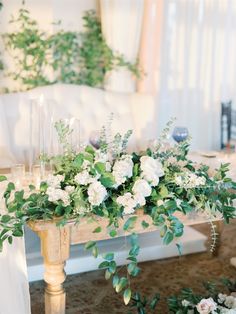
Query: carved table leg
(55,245)
(55,296)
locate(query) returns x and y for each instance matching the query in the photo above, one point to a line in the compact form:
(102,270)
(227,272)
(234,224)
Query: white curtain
(197,67)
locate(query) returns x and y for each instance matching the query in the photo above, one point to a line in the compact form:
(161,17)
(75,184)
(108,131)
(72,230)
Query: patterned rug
(90,293)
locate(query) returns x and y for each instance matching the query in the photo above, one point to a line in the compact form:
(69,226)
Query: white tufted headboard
(91,105)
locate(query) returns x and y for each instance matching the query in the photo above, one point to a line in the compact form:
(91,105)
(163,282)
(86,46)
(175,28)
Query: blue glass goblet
(180,134)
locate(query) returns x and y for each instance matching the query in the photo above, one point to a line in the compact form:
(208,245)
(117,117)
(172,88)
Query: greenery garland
(66,56)
(112,184)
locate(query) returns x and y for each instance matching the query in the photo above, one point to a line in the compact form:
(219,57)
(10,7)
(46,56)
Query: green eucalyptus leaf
(113,233)
(89,245)
(107,180)
(145,224)
(115,281)
(127,295)
(168,237)
(18,233)
(3,178)
(112,267)
(103,265)
(108,256)
(10,186)
(130,223)
(90,150)
(100,167)
(5,219)
(97,230)
(122,284)
(95,251)
(78,161)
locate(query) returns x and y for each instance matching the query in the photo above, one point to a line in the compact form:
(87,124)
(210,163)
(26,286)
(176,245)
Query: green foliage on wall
(1,63)
(66,56)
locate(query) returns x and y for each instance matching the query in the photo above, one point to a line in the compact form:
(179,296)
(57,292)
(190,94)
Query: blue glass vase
(180,134)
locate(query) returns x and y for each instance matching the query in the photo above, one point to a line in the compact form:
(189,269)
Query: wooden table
(55,249)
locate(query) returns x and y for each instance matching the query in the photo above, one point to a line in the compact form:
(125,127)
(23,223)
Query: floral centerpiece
(111,183)
(213,302)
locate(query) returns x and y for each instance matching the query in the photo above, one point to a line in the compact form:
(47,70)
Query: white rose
(139,200)
(123,169)
(83,178)
(206,306)
(230,302)
(108,166)
(55,195)
(96,193)
(128,202)
(142,187)
(55,180)
(221,297)
(151,169)
(69,189)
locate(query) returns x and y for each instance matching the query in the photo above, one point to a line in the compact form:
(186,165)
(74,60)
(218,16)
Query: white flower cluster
(174,162)
(55,195)
(96,193)
(54,191)
(123,169)
(189,180)
(151,170)
(55,180)
(141,189)
(209,306)
(84,177)
(229,301)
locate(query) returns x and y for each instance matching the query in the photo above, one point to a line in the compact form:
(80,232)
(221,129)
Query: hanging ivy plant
(66,56)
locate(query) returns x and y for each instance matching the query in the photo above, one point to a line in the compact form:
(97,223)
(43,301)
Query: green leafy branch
(65,56)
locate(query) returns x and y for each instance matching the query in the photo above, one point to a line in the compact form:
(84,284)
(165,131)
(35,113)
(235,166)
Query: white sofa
(91,106)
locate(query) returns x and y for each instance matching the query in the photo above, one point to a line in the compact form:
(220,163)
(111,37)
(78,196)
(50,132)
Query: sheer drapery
(197,66)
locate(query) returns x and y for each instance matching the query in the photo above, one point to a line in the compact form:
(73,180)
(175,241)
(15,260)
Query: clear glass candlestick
(36,176)
(18,175)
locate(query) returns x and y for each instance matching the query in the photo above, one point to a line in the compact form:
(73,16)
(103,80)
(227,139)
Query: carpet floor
(90,293)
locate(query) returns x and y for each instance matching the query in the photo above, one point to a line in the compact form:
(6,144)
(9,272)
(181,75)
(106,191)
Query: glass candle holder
(36,176)
(18,175)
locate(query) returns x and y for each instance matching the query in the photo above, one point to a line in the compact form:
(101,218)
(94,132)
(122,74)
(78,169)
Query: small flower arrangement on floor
(111,183)
(214,302)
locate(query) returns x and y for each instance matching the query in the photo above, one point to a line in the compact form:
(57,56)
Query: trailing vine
(66,56)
